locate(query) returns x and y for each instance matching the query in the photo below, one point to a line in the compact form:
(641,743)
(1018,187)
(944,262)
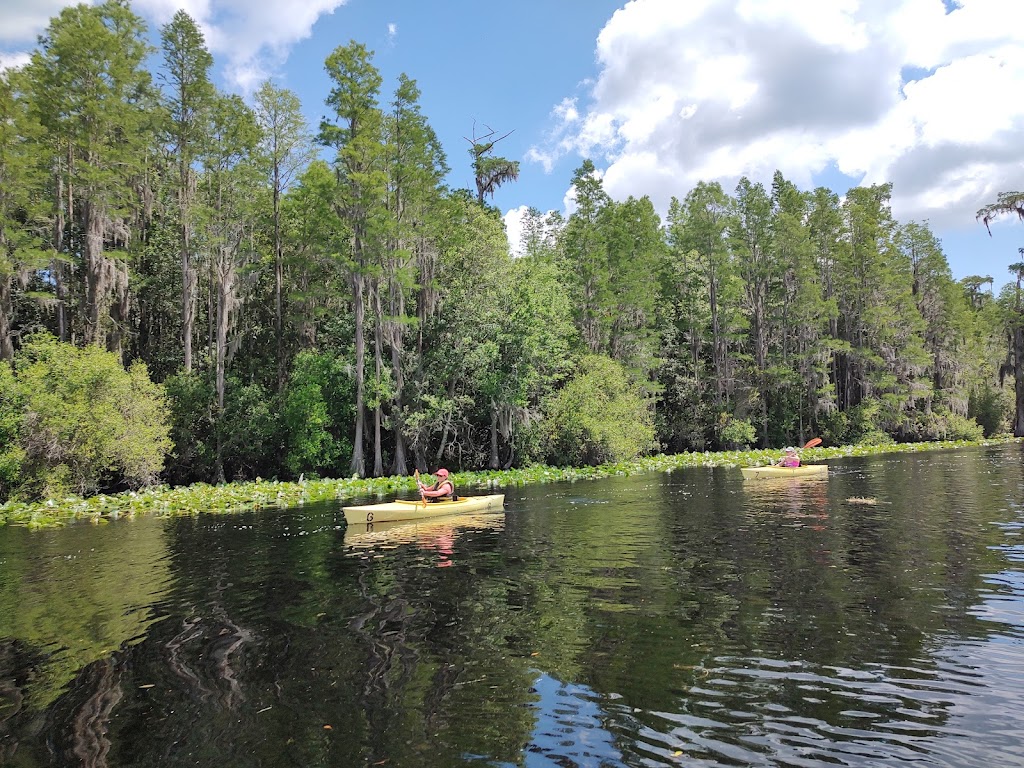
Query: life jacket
(451,496)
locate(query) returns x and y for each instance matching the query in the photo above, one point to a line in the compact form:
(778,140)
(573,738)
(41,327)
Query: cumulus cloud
(514,229)
(922,93)
(13,60)
(21,22)
(251,37)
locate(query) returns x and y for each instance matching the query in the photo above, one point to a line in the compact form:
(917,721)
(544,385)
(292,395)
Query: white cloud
(566,112)
(882,90)
(21,22)
(13,60)
(251,37)
(514,229)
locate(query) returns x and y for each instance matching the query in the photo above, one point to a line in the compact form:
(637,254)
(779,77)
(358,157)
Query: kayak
(415,509)
(768,473)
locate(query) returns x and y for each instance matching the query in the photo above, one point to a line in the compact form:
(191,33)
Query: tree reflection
(636,620)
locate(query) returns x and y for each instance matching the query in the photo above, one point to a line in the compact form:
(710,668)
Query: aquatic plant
(237,497)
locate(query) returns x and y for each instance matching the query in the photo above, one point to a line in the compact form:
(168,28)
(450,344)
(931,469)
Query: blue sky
(664,93)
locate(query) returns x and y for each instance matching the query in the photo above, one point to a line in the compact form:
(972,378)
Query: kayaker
(790,459)
(443,488)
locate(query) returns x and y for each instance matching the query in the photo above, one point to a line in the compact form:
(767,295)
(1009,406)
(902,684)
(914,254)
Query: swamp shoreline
(242,496)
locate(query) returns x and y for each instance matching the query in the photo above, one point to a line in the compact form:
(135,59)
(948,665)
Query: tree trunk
(56,266)
(378,369)
(1018,378)
(399,465)
(95,274)
(716,337)
(278,281)
(760,359)
(307,332)
(188,299)
(225,303)
(447,425)
(6,315)
(493,463)
(358,465)
(119,311)
(189,278)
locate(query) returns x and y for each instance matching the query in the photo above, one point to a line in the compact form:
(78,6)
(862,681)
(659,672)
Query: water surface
(687,618)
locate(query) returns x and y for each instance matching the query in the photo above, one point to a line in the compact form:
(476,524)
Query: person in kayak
(442,490)
(790,459)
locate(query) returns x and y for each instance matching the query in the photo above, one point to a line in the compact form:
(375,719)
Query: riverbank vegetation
(258,494)
(294,302)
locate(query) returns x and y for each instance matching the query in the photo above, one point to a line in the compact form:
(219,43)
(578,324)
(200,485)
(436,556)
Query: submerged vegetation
(239,497)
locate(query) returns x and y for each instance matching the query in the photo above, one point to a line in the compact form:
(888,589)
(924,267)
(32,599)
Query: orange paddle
(814,441)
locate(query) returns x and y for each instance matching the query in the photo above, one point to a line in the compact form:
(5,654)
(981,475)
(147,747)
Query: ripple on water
(625,622)
(753,711)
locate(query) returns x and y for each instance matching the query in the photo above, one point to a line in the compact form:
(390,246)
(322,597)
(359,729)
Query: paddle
(814,441)
(423,496)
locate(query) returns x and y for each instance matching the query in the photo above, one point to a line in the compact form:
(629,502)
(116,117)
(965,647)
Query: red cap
(442,472)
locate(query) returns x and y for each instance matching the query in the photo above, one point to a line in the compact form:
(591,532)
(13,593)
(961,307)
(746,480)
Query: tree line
(317,301)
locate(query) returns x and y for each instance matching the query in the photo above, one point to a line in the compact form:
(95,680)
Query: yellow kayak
(774,472)
(414,509)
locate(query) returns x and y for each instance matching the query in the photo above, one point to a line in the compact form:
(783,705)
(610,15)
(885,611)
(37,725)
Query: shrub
(250,430)
(992,407)
(834,427)
(866,423)
(598,417)
(191,397)
(957,427)
(87,422)
(317,411)
(735,433)
(11,453)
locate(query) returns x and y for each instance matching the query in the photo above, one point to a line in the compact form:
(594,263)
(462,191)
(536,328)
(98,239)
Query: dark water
(679,619)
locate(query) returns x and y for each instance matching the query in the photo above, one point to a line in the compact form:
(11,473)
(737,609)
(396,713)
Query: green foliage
(735,433)
(250,431)
(316,412)
(834,427)
(150,224)
(942,424)
(191,398)
(864,427)
(599,416)
(88,423)
(992,408)
(12,409)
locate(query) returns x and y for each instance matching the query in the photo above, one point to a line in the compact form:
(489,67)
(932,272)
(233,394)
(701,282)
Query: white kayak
(415,509)
(773,472)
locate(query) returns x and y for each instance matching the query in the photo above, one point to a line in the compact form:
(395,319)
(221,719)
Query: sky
(662,94)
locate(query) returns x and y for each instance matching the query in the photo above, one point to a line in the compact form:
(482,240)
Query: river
(687,618)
